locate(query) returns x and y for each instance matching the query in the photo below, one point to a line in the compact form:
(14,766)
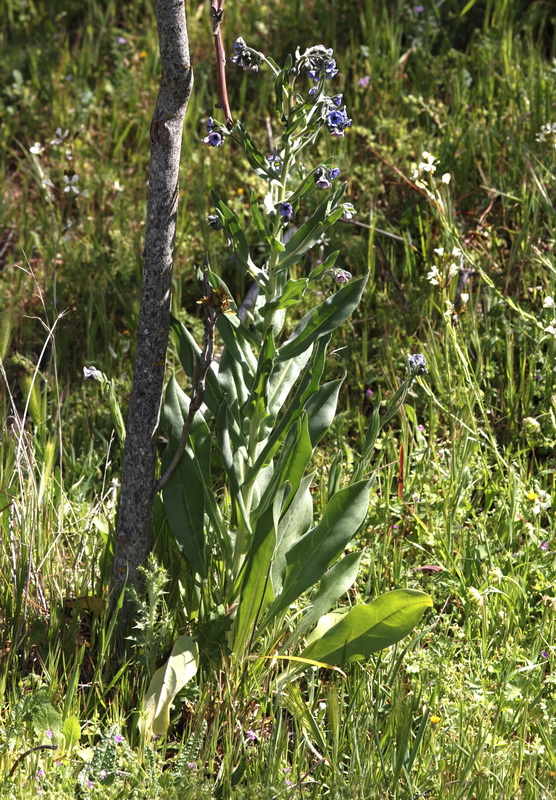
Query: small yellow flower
(532,496)
(143,54)
(240,190)
(434,720)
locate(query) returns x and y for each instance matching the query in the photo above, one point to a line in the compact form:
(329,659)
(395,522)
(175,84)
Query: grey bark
(134,526)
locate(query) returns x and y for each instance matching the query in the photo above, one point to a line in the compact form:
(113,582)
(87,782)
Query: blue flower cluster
(337,121)
(245,57)
(324,177)
(214,138)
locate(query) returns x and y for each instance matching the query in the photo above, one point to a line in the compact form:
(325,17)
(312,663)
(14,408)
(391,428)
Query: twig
(20,758)
(199,385)
(216,14)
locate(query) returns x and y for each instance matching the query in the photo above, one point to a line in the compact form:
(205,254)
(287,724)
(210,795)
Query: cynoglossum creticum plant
(248,535)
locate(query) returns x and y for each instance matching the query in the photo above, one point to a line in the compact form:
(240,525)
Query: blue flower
(321,180)
(417,362)
(338,121)
(286,211)
(211,125)
(337,99)
(333,173)
(214,139)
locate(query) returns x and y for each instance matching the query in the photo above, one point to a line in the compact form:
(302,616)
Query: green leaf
(335,582)
(309,558)
(189,355)
(184,505)
(256,159)
(282,379)
(238,242)
(255,594)
(292,293)
(321,409)
(324,266)
(174,414)
(71,731)
(294,523)
(323,319)
(366,629)
(307,387)
(308,234)
(166,682)
(231,330)
(47,718)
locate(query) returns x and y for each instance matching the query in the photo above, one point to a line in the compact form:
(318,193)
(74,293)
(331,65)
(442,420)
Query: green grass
(466,709)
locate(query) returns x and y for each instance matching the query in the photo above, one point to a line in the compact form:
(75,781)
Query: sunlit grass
(466,710)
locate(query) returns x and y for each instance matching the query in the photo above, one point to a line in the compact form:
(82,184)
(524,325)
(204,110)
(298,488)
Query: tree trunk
(134,526)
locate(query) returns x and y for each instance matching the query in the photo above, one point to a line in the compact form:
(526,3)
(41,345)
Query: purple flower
(321,181)
(418,9)
(545,654)
(333,174)
(192,765)
(122,40)
(364,81)
(251,735)
(49,734)
(214,139)
(368,393)
(118,738)
(544,545)
(274,161)
(286,211)
(210,125)
(342,276)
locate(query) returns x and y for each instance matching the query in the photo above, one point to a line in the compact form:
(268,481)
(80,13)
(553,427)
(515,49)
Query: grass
(466,709)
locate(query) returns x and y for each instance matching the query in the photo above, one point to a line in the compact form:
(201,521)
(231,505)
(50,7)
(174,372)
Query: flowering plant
(248,534)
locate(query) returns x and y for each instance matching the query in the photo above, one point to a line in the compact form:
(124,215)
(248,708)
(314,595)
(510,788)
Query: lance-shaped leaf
(238,242)
(308,234)
(294,523)
(366,629)
(323,319)
(184,493)
(255,591)
(309,558)
(189,355)
(336,581)
(166,682)
(307,387)
(321,409)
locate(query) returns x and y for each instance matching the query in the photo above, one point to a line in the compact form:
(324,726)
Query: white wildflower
(60,135)
(37,149)
(453,269)
(548,302)
(464,297)
(446,178)
(118,187)
(434,276)
(71,184)
(456,252)
(439,251)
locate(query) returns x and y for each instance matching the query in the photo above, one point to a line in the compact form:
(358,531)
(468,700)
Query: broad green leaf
(324,266)
(295,522)
(323,319)
(166,682)
(321,409)
(231,329)
(255,593)
(174,414)
(184,505)
(292,294)
(307,387)
(71,731)
(47,718)
(282,379)
(231,379)
(366,629)
(290,466)
(335,582)
(189,352)
(309,558)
